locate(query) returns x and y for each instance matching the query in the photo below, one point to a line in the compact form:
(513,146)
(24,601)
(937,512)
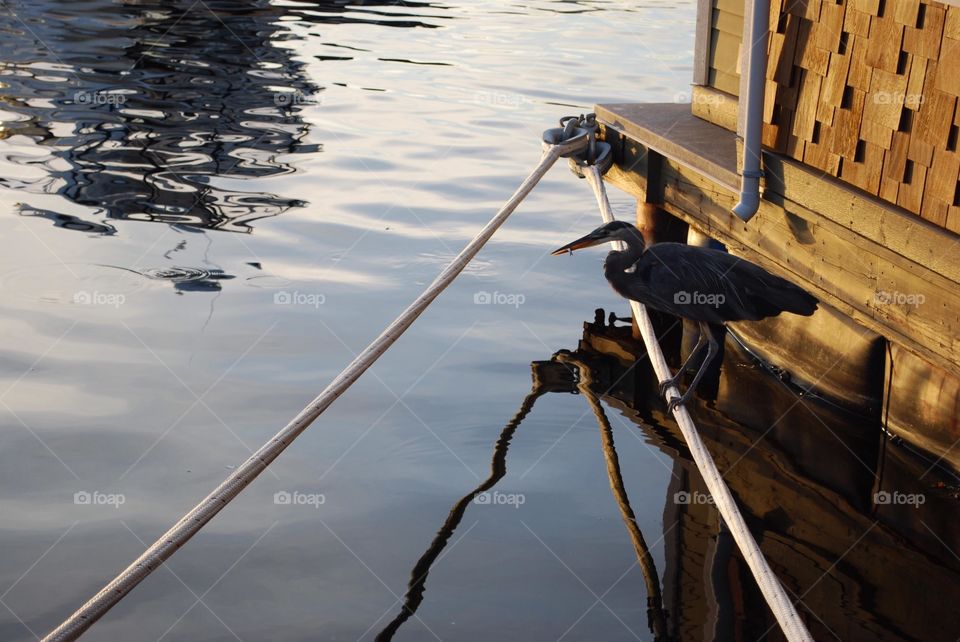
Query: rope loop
(597,153)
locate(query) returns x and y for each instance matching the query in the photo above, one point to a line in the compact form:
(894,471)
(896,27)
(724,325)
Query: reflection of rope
(655,614)
(773,592)
(498,468)
(198,516)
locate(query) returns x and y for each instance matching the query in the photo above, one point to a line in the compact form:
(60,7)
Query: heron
(696,283)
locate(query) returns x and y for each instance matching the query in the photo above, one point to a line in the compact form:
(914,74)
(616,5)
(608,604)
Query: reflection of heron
(701,284)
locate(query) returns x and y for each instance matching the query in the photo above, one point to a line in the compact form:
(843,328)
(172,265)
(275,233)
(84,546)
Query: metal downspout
(752,102)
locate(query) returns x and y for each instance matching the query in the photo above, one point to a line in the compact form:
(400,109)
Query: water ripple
(159,97)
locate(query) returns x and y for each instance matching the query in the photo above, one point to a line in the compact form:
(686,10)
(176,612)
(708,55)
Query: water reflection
(104,387)
(379,12)
(808,502)
(184,279)
(811,504)
(656,614)
(154,111)
(498,469)
(565,373)
(68,221)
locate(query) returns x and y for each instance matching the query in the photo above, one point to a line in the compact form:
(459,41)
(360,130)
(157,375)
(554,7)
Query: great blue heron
(701,284)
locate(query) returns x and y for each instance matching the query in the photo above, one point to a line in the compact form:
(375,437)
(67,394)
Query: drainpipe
(751,106)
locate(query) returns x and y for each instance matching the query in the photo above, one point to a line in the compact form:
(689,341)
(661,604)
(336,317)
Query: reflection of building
(833,506)
(160,100)
(151,104)
(818,490)
(861,204)
(69,222)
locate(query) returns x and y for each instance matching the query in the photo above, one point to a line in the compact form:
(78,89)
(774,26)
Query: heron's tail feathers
(783,296)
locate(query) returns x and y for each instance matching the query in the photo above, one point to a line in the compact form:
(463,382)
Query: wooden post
(701,47)
(659,226)
(697,238)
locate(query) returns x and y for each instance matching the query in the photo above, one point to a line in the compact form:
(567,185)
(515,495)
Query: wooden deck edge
(668,129)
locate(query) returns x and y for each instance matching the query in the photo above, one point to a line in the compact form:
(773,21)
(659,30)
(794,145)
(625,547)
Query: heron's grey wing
(710,285)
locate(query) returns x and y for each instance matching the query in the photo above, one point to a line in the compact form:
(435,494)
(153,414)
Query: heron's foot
(667,383)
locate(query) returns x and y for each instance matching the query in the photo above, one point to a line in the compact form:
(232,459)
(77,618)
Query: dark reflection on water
(368,12)
(416,586)
(184,279)
(850,562)
(163,102)
(69,222)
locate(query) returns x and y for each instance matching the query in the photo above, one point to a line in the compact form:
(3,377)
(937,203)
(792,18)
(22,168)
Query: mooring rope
(571,141)
(776,596)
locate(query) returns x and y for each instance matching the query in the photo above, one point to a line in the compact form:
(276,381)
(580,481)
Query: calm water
(206,211)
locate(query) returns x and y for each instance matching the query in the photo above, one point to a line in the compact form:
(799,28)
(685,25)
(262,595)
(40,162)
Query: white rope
(151,559)
(776,596)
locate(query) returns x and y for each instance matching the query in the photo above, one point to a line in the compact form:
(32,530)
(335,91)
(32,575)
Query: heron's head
(607,233)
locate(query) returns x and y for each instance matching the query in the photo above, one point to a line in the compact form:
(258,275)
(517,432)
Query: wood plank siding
(726,33)
(863,90)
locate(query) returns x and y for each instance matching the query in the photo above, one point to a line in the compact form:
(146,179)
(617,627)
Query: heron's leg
(675,379)
(713,348)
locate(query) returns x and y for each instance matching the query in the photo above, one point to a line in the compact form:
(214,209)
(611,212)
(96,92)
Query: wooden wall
(726,33)
(866,90)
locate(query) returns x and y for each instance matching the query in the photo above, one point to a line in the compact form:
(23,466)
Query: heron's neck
(619,261)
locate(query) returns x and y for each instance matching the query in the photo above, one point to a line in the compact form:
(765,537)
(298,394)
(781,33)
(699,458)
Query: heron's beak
(586,241)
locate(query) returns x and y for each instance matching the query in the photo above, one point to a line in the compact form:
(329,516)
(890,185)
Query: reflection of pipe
(498,468)
(655,615)
(755,73)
